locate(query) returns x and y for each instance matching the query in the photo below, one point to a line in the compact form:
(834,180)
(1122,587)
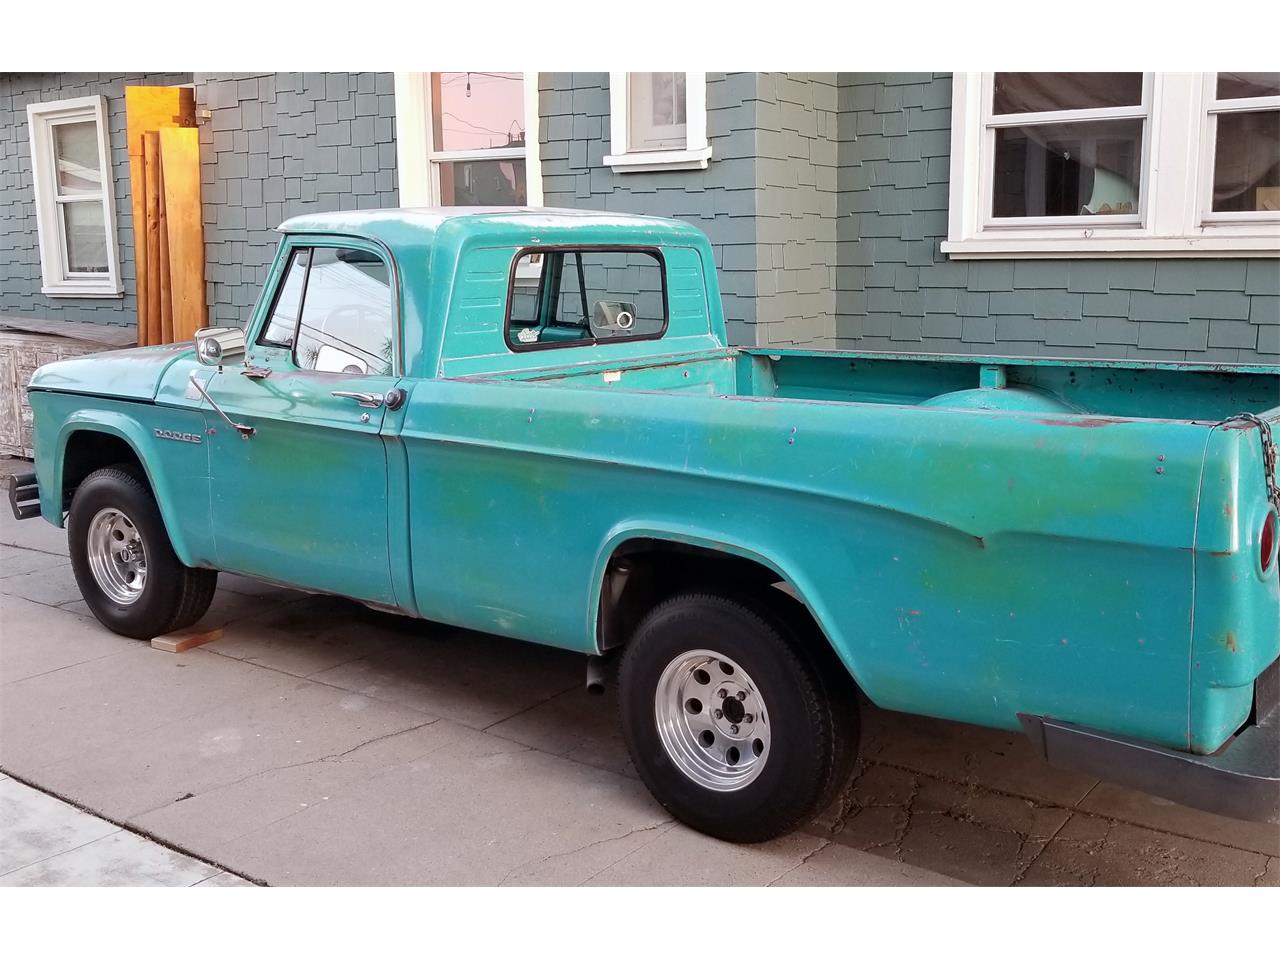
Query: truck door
(303,500)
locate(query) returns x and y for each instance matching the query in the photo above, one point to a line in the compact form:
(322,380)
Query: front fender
(50,468)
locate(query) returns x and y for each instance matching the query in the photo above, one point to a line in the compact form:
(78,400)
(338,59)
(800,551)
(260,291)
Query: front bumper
(24,495)
(1241,780)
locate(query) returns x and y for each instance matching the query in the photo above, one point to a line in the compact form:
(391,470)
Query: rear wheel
(729,719)
(124,563)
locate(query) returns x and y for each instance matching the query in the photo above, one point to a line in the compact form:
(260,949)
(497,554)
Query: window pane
(86,234)
(1068,169)
(1039,92)
(284,316)
(1239,86)
(477,111)
(589,295)
(1246,162)
(75,148)
(657,112)
(482,183)
(346,314)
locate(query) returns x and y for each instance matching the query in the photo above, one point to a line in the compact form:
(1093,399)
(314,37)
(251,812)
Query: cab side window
(335,310)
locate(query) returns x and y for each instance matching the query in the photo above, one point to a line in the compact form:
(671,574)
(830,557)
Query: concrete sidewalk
(321,743)
(46,842)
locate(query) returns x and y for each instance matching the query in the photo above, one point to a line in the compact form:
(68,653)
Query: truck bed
(1206,393)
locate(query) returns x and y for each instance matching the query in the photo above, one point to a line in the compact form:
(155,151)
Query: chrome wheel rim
(117,557)
(712,720)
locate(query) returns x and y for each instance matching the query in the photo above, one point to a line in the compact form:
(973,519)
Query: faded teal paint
(966,560)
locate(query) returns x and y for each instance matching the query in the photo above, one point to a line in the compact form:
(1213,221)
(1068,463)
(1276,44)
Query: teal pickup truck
(529,422)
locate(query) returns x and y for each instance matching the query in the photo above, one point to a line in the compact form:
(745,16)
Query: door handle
(364,399)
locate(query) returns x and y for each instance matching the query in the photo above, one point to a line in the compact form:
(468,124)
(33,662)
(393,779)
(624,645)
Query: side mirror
(218,345)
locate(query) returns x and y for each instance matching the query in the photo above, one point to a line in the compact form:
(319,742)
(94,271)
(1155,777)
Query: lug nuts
(748,718)
(733,728)
(721,694)
(742,694)
(719,714)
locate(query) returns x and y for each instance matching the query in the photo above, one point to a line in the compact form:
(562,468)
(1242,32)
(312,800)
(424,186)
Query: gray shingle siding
(277,145)
(20,279)
(896,290)
(766,201)
(826,201)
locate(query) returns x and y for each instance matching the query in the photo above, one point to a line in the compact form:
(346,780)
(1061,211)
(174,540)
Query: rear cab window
(578,296)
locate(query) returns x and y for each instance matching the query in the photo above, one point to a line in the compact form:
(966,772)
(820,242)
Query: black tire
(812,718)
(173,596)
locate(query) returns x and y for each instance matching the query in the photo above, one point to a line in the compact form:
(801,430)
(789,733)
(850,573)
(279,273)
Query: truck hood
(129,374)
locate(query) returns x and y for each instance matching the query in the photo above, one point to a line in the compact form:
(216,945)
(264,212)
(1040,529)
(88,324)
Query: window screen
(586,296)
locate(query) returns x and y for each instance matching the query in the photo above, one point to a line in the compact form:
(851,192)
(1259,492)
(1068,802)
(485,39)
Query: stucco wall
(20,279)
(897,291)
(281,144)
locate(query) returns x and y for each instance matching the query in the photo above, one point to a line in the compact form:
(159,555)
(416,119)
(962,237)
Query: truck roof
(413,226)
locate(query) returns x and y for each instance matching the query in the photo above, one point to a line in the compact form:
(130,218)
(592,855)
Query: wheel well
(643,572)
(90,450)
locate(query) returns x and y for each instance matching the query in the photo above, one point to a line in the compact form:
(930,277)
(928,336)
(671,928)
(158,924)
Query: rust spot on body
(1082,422)
(1229,641)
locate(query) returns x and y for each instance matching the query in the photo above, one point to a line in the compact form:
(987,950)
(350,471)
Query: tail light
(1267,541)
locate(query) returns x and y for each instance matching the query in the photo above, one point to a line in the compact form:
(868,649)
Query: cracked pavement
(319,742)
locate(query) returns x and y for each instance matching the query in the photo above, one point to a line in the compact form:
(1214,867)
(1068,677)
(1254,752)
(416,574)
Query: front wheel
(124,563)
(728,718)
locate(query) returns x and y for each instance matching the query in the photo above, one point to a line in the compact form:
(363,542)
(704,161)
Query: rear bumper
(1241,780)
(24,495)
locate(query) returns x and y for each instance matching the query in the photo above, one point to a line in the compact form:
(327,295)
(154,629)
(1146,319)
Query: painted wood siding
(897,291)
(281,144)
(767,200)
(20,279)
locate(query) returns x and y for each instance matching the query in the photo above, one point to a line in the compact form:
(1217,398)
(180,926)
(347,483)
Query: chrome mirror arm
(245,430)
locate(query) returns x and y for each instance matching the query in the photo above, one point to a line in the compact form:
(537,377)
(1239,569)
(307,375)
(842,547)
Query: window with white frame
(75,208)
(1243,141)
(468,139)
(1114,164)
(658,121)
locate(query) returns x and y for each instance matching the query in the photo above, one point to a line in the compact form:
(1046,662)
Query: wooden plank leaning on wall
(180,158)
(168,235)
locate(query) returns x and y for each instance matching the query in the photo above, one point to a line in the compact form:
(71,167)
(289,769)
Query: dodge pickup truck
(530,423)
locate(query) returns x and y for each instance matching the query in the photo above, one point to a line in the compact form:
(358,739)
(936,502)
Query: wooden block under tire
(182,640)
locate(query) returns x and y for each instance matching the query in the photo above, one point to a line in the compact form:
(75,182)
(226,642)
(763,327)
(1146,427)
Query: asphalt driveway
(318,742)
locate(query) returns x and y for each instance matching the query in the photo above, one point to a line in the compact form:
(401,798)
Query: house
(1122,215)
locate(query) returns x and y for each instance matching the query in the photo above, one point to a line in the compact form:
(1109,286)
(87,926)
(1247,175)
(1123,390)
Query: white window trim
(419,177)
(1176,180)
(1213,108)
(57,280)
(696,154)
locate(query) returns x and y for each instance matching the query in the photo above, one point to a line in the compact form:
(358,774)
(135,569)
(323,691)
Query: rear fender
(774,559)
